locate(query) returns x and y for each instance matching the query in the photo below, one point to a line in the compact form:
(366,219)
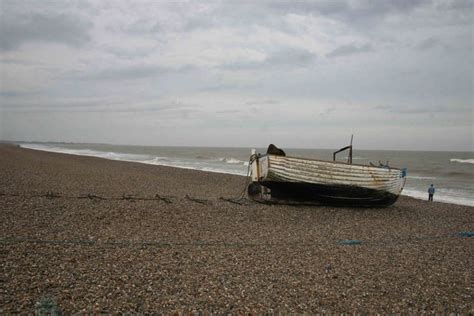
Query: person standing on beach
(431,191)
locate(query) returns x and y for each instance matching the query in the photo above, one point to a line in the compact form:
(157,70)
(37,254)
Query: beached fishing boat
(280,178)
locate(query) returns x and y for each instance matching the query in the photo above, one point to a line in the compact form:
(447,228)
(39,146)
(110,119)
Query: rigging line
(241,196)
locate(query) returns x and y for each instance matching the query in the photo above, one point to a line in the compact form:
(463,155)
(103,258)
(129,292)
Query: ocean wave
(446,196)
(234,161)
(462,160)
(458,174)
(192,165)
(87,152)
(217,170)
(150,160)
(231,160)
(421,177)
(156,161)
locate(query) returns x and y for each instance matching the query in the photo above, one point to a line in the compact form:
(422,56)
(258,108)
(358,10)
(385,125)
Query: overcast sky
(397,74)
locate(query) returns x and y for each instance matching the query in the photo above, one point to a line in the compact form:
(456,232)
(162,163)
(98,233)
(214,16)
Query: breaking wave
(421,177)
(462,160)
(446,196)
(221,165)
(232,161)
(88,152)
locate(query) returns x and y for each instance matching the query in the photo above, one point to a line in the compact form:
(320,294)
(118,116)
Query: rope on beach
(239,200)
(50,195)
(199,201)
(91,197)
(167,200)
(124,197)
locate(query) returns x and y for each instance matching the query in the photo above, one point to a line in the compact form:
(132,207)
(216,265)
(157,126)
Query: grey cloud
(14,94)
(369,7)
(178,17)
(96,105)
(127,53)
(229,111)
(140,26)
(411,74)
(289,56)
(228,87)
(428,43)
(59,28)
(349,50)
(18,61)
(349,10)
(421,109)
(456,5)
(262,102)
(323,7)
(133,72)
(244,14)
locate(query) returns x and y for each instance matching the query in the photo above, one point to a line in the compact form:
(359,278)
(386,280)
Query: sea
(452,173)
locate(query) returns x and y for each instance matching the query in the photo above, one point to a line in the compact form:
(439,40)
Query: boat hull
(340,195)
(301,180)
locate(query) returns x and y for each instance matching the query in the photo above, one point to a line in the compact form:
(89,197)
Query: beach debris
(47,306)
(350,242)
(465,234)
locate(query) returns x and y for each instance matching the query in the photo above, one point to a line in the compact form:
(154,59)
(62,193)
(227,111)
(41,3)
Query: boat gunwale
(334,162)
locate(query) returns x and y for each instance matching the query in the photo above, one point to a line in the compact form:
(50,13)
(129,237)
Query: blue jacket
(431,190)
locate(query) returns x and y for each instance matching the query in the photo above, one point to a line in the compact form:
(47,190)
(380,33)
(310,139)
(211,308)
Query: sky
(301,74)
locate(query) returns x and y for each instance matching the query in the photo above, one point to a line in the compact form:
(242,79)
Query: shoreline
(199,253)
(419,195)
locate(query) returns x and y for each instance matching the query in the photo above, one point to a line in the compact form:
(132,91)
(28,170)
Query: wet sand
(176,254)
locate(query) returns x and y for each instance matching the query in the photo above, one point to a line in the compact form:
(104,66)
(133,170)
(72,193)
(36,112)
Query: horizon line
(197,146)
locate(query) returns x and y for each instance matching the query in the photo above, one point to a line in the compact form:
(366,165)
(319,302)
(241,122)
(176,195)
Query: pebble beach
(85,234)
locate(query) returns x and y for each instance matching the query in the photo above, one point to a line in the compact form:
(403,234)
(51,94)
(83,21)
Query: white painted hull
(328,179)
